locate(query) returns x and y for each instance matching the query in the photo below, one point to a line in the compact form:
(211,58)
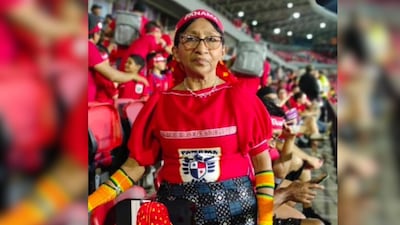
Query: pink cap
(199,13)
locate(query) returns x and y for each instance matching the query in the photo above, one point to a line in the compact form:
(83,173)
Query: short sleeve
(143,145)
(253,121)
(94,55)
(261,129)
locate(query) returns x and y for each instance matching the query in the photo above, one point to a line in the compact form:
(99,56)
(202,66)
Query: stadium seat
(104,125)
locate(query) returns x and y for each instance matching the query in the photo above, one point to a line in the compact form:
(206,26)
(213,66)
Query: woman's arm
(123,179)
(114,75)
(264,187)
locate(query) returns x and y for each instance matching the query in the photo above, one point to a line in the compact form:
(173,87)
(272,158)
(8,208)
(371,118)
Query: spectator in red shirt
(308,118)
(144,44)
(106,89)
(108,30)
(165,45)
(97,64)
(158,80)
(264,80)
(134,89)
(140,9)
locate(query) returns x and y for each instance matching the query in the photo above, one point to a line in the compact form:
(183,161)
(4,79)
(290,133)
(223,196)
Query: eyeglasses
(192,42)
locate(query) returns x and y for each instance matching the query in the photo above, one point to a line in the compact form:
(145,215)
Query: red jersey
(105,89)
(251,83)
(133,90)
(300,107)
(168,42)
(94,59)
(159,83)
(9,45)
(145,20)
(141,46)
(201,138)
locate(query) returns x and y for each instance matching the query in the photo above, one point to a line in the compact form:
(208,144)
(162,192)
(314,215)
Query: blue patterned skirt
(230,202)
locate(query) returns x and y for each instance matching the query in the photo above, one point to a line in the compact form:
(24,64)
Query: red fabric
(28,112)
(222,72)
(145,20)
(211,128)
(274,154)
(133,90)
(159,83)
(94,59)
(199,13)
(105,125)
(105,89)
(103,213)
(264,78)
(167,38)
(168,42)
(153,213)
(300,107)
(75,138)
(131,110)
(17,42)
(252,84)
(141,46)
(112,25)
(6,6)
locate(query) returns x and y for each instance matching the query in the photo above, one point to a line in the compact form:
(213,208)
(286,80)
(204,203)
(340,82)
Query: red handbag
(153,213)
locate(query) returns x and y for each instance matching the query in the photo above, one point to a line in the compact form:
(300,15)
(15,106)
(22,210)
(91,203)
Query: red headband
(199,13)
(157,58)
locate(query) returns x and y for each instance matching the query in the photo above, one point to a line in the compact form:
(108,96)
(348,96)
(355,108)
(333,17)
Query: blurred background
(43,105)
(368,109)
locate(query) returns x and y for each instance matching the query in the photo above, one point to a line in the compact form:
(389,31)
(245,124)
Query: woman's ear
(175,53)
(223,52)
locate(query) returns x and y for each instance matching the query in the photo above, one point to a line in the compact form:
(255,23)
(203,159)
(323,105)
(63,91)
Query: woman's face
(282,94)
(199,61)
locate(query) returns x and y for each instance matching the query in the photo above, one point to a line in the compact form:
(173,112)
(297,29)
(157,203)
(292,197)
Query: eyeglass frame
(221,41)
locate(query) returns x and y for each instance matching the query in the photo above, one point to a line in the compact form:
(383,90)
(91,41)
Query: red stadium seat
(105,127)
(103,214)
(132,110)
(29,121)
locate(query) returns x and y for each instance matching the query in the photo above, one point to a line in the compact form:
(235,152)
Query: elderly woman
(212,135)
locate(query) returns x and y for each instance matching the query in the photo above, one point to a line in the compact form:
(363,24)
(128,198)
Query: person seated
(309,115)
(106,89)
(283,97)
(158,78)
(300,192)
(293,163)
(134,89)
